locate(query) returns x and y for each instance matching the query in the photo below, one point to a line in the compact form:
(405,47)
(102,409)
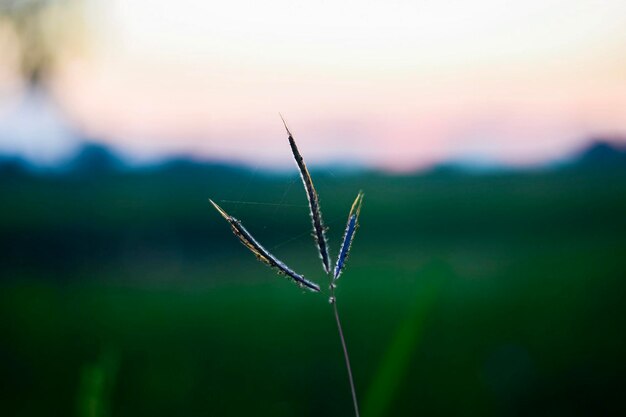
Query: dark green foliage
(476,296)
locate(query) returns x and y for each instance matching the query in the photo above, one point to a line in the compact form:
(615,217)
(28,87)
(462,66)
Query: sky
(393,84)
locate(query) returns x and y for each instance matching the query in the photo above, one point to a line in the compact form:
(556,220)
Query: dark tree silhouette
(40,29)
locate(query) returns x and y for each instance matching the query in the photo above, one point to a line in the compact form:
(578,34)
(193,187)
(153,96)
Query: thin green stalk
(346,356)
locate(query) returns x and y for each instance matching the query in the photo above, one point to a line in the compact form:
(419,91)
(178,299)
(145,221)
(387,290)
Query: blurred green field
(124,294)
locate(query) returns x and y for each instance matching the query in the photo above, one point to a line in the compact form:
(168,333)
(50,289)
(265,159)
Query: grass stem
(345,352)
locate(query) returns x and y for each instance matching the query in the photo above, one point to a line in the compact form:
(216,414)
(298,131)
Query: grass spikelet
(348,236)
(319,234)
(319,231)
(261,253)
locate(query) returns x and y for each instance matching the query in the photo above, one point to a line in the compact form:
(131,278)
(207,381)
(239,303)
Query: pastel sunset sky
(393,84)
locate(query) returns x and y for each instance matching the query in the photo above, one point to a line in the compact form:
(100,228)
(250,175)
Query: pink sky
(394,84)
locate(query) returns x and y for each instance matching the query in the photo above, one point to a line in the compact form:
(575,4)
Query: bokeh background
(487,278)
